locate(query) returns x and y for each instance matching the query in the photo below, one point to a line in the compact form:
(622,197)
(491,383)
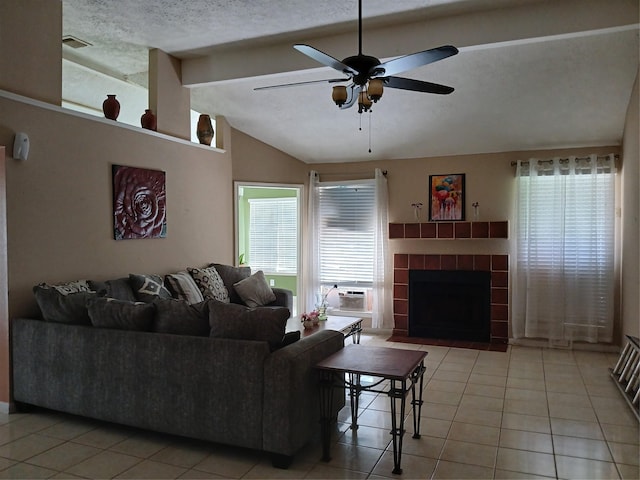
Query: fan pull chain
(370,115)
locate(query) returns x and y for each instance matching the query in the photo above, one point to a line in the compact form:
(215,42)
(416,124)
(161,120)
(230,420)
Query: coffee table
(349,326)
(402,368)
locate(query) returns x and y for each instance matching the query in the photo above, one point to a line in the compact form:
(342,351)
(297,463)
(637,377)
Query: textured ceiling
(525,78)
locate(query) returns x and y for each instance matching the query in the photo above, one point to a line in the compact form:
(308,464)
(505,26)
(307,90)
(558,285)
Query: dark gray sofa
(214,371)
(234,392)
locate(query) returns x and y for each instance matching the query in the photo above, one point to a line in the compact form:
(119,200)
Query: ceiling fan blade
(325,59)
(353,91)
(414,60)
(416,85)
(296,84)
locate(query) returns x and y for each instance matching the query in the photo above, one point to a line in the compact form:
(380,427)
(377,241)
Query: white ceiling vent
(74,42)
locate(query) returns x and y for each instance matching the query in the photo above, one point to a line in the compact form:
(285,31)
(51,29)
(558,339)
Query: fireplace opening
(450,304)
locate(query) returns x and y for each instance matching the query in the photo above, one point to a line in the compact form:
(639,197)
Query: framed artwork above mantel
(446,197)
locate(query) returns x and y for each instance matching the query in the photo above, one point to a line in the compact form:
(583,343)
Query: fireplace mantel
(449,230)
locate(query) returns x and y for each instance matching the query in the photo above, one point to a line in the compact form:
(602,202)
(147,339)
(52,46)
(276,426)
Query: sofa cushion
(183,287)
(254,290)
(147,288)
(180,318)
(112,313)
(230,320)
(210,283)
(61,308)
(231,275)
(119,288)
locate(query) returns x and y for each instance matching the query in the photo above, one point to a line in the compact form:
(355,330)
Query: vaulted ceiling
(531,74)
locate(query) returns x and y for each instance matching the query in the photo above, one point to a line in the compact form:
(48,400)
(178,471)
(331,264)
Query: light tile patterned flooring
(526,413)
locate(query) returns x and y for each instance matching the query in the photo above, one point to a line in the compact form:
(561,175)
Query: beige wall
(630,225)
(31,48)
(255,161)
(170,101)
(4,309)
(59,201)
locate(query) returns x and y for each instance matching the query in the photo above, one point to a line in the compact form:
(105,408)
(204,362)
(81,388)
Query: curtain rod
(341,174)
(563,160)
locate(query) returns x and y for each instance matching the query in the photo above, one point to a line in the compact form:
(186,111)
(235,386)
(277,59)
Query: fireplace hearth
(450,304)
(496,265)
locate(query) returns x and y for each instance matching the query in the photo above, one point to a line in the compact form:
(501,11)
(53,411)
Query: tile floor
(524,413)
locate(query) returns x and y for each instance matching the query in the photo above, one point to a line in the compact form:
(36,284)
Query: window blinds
(273,235)
(346,233)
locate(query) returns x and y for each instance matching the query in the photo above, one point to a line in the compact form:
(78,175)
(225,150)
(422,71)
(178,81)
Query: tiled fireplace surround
(498,265)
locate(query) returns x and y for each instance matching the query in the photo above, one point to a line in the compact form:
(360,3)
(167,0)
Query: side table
(349,326)
(403,368)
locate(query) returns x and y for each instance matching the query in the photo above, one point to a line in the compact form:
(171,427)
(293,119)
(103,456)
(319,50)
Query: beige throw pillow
(210,284)
(254,290)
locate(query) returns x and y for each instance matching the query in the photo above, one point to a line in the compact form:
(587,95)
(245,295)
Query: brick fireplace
(496,265)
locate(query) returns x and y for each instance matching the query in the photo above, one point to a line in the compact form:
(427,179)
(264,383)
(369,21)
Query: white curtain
(564,261)
(312,272)
(382,315)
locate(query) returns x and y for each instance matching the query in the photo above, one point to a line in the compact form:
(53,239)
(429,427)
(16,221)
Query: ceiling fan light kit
(375,89)
(339,95)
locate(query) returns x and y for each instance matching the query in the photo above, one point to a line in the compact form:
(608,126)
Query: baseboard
(6,407)
(377,331)
(589,347)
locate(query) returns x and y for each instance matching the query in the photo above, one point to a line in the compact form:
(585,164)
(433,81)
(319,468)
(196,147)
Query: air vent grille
(74,42)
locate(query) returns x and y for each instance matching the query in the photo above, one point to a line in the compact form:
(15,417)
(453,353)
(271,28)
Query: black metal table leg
(326,401)
(357,330)
(417,375)
(397,430)
(354,397)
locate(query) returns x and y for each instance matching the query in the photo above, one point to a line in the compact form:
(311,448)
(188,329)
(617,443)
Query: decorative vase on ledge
(148,120)
(111,107)
(204,129)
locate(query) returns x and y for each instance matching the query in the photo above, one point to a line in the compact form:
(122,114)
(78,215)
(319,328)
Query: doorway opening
(268,232)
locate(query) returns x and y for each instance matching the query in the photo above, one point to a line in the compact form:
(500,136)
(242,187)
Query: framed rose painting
(139,203)
(447,197)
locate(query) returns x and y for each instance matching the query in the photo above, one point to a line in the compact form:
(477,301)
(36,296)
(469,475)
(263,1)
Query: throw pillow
(119,288)
(254,290)
(289,338)
(210,283)
(111,313)
(147,288)
(183,287)
(179,318)
(231,275)
(61,308)
(229,320)
(70,287)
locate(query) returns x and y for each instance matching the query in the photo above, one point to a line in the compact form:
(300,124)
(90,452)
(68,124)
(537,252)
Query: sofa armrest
(284,298)
(291,392)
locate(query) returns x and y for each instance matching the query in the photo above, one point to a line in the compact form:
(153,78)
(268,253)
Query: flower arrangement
(310,319)
(312,315)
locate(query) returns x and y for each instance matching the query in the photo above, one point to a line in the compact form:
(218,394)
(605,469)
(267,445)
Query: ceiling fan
(368,76)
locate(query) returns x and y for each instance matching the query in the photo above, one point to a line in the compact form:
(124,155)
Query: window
(346,234)
(347,245)
(564,276)
(273,235)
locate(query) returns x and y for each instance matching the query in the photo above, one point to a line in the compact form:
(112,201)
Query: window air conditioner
(353,300)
